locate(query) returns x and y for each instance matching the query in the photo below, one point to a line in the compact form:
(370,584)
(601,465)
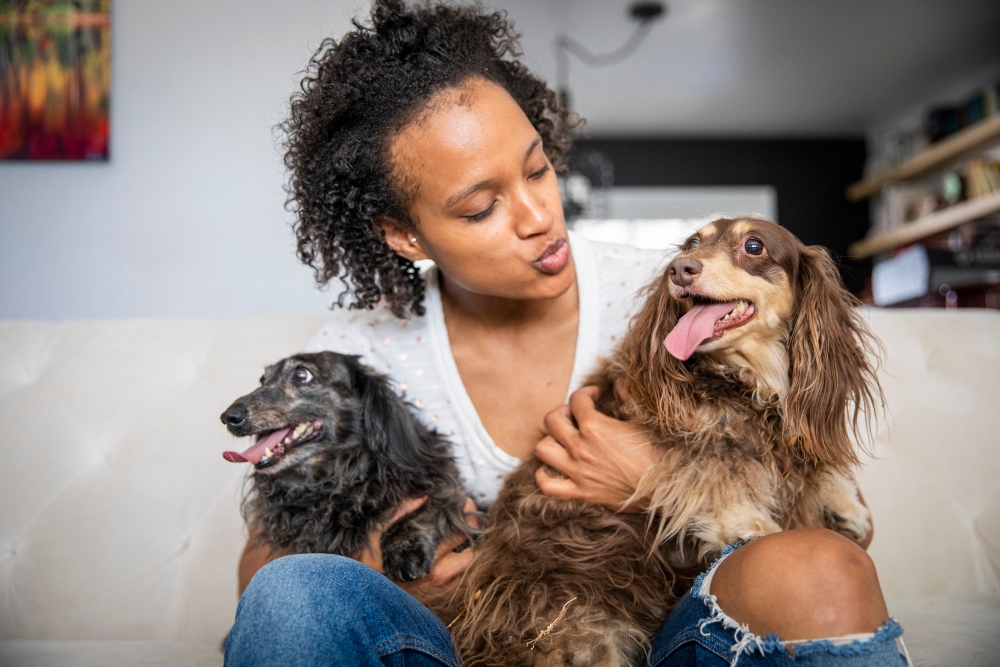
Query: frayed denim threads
(699,632)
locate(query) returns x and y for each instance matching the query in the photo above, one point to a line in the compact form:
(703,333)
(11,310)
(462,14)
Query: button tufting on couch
(119,520)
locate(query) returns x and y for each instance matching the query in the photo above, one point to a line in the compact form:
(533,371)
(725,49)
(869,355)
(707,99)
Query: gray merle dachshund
(336,453)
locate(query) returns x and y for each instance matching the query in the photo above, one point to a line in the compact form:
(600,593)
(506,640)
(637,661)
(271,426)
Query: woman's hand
(447,564)
(602,459)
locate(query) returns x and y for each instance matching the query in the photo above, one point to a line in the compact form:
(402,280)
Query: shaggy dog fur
(752,431)
(337,453)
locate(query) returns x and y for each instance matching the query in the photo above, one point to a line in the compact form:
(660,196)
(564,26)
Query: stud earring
(413,240)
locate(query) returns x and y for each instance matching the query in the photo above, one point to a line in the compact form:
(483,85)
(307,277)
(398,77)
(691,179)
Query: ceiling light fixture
(645,13)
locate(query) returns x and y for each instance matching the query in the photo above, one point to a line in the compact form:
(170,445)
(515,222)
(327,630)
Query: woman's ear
(400,238)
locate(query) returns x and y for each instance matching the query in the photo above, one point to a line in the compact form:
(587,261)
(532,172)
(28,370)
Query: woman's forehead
(463,137)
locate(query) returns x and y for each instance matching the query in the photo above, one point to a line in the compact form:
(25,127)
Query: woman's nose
(533,213)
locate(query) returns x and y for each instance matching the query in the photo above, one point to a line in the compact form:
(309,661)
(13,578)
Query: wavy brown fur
(745,450)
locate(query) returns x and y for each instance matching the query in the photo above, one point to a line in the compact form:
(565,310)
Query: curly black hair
(357,94)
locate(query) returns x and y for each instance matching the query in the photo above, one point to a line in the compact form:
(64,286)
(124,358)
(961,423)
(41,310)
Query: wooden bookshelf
(936,157)
(928,225)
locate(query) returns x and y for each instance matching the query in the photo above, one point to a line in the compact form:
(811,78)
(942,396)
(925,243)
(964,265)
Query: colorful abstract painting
(55,79)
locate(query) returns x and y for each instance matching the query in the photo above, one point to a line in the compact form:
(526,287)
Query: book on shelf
(900,203)
(943,121)
(966,257)
(892,147)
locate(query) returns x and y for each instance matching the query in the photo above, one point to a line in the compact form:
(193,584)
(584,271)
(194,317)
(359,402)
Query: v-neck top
(415,353)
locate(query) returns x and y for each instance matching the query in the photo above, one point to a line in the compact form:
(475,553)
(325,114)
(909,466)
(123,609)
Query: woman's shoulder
(622,257)
(622,270)
(367,333)
(372,333)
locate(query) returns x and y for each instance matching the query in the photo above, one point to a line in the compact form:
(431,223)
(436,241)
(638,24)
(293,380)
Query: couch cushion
(942,631)
(28,653)
(119,517)
(932,486)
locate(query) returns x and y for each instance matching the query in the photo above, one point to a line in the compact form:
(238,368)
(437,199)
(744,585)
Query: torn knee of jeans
(746,641)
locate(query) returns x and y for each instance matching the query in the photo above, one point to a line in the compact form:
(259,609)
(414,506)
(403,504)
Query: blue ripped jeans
(328,610)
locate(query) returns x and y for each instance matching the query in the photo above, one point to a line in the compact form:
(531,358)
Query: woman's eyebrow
(532,147)
(455,199)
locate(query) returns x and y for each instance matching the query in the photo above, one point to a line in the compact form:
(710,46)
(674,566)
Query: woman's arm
(602,459)
(256,554)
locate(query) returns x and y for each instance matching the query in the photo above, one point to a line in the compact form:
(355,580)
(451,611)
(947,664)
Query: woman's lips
(555,258)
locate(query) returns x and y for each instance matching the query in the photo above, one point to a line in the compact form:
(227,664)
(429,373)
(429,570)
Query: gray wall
(187,217)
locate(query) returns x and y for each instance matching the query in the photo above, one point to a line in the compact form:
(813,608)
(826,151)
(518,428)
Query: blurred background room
(767,106)
(148,269)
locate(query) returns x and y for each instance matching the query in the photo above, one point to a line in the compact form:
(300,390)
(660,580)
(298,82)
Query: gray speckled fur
(329,494)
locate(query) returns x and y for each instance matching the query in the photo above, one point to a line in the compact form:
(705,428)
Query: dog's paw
(408,559)
(851,522)
(733,527)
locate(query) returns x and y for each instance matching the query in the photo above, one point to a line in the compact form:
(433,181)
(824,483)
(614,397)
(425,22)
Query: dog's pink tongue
(695,327)
(256,453)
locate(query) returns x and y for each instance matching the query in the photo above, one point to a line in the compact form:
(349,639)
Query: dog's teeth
(287,440)
(267,454)
(298,431)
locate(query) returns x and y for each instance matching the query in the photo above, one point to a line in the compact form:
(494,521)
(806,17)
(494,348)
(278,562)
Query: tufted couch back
(119,518)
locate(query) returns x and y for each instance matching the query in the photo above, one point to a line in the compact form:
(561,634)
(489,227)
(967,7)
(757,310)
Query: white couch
(120,531)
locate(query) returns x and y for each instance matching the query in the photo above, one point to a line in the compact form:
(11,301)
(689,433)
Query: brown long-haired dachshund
(749,368)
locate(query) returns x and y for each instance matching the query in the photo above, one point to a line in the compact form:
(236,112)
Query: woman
(421,137)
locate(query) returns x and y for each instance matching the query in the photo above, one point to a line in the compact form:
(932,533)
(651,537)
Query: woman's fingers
(448,563)
(471,513)
(371,555)
(408,506)
(600,457)
(557,485)
(554,455)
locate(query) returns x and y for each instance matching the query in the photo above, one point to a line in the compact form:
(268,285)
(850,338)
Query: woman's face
(483,196)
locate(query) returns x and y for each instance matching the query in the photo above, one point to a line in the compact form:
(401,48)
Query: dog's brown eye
(753,246)
(302,375)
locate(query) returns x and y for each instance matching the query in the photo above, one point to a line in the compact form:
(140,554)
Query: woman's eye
(541,172)
(482,215)
(753,246)
(302,375)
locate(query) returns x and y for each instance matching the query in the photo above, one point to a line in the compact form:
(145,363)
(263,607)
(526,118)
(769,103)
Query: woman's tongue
(256,452)
(695,327)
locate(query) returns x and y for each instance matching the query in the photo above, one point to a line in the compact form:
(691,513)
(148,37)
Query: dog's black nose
(684,270)
(234,416)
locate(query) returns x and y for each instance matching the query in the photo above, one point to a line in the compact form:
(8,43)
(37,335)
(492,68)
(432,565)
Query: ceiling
(766,67)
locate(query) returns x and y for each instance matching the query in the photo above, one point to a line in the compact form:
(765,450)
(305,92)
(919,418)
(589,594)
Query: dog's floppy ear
(388,427)
(650,375)
(831,376)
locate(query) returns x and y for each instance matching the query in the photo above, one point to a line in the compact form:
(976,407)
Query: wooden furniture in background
(936,158)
